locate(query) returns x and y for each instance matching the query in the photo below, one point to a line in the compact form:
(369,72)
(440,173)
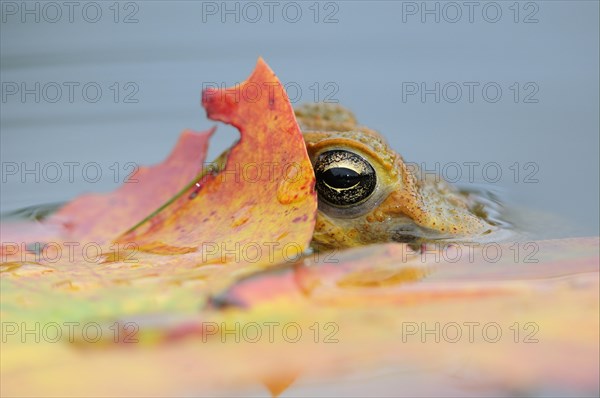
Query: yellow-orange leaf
(261,208)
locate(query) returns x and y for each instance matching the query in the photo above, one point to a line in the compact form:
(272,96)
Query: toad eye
(344,178)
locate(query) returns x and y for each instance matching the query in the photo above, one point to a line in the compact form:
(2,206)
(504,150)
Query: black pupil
(344,178)
(340,177)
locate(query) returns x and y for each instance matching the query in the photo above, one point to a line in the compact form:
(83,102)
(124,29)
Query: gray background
(359,53)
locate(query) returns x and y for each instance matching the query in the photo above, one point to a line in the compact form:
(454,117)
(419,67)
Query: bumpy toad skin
(403,207)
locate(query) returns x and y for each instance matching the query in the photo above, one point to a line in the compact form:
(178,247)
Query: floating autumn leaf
(261,207)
